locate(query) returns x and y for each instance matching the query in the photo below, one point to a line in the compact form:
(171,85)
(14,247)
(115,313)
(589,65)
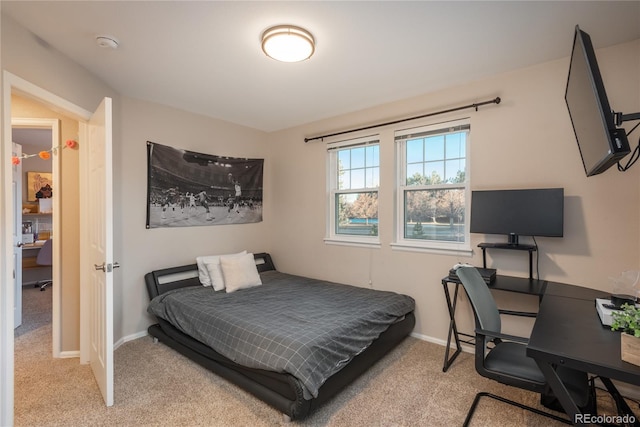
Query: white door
(101,248)
(16,185)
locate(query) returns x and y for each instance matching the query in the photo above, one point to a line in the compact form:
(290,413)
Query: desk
(568,332)
(503,283)
(31,271)
(29,254)
(575,292)
(36,245)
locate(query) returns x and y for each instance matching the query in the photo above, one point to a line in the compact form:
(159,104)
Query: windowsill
(443,250)
(362,243)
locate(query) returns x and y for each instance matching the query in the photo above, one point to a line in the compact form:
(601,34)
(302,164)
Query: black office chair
(45,259)
(503,357)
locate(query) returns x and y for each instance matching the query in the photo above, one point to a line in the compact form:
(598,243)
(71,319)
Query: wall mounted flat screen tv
(601,143)
(528,212)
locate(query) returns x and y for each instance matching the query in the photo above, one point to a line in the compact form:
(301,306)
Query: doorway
(95,131)
(36,135)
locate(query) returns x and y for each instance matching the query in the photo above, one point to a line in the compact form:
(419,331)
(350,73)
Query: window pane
(344,159)
(357,157)
(358,167)
(436,159)
(434,172)
(373,155)
(456,144)
(357,178)
(455,170)
(434,215)
(344,180)
(357,214)
(434,146)
(414,151)
(415,174)
(373,177)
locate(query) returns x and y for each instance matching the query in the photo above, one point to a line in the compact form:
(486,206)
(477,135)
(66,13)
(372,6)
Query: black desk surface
(522,285)
(568,332)
(572,291)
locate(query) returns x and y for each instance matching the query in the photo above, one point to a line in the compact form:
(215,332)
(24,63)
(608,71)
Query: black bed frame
(280,390)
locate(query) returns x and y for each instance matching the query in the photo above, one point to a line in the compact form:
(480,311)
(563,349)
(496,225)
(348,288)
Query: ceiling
(205,56)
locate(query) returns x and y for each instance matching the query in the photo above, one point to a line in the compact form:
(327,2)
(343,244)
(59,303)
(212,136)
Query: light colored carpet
(156,386)
(36,309)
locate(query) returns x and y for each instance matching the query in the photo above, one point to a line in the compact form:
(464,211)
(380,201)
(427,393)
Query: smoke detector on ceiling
(107,42)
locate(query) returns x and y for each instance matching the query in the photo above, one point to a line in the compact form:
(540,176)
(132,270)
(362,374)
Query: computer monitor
(530,212)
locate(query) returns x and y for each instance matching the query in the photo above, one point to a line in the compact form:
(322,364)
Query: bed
(294,380)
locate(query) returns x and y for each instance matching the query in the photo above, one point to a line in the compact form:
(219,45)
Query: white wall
(139,250)
(526,141)
(24,56)
(147,250)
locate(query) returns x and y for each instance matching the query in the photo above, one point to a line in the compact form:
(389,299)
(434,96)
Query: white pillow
(215,274)
(203,273)
(240,272)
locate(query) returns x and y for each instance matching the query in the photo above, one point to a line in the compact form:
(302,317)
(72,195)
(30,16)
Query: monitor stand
(513,239)
(513,246)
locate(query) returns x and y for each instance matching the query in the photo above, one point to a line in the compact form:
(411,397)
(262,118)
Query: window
(433,188)
(354,178)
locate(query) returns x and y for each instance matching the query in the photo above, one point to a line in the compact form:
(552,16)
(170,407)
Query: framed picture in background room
(39,185)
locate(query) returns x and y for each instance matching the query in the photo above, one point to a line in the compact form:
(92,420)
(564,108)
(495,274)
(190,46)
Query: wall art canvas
(186,189)
(39,185)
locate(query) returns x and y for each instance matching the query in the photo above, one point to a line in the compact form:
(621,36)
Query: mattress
(305,327)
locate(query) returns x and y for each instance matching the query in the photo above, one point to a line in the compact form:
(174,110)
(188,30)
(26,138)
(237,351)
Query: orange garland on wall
(45,155)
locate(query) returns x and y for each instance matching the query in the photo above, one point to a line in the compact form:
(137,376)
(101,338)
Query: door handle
(107,268)
(19,244)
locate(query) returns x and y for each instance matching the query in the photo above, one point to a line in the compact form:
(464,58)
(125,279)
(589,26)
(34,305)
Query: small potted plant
(627,320)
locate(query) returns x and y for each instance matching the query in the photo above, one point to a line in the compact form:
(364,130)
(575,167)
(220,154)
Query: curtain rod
(476,105)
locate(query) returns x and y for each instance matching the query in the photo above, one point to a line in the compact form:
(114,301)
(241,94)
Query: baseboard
(76,353)
(129,338)
(465,348)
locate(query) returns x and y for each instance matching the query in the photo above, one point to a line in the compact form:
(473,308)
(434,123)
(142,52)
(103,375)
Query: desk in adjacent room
(31,271)
(30,253)
(568,332)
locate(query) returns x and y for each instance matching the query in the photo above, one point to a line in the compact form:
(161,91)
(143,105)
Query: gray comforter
(306,327)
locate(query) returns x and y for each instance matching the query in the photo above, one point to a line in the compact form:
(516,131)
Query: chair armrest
(502,336)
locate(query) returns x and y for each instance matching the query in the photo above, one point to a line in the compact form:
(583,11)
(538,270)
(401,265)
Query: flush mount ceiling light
(287,43)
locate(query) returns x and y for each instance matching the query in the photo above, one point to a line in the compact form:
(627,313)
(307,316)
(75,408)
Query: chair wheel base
(510,402)
(44,286)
